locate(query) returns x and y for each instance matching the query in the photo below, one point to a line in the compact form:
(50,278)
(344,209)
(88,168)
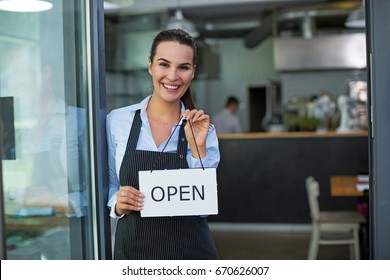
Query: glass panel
(43,93)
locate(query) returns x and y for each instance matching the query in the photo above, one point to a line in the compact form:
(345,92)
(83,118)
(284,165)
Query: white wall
(240,68)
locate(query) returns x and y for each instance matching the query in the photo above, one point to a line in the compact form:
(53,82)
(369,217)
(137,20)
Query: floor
(271,244)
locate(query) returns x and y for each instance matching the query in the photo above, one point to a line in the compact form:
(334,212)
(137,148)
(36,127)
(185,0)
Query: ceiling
(248,19)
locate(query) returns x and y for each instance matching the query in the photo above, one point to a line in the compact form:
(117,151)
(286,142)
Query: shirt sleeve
(236,126)
(212,157)
(113,178)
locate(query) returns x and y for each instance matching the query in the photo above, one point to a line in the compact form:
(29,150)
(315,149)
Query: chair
(345,224)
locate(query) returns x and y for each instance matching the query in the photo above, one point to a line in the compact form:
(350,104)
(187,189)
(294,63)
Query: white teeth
(170,87)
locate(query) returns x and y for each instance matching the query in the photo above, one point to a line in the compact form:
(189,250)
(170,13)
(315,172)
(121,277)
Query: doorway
(257,107)
(264,107)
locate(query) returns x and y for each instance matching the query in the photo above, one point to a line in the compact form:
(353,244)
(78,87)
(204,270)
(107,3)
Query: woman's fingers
(129,199)
(196,131)
(194,115)
(197,117)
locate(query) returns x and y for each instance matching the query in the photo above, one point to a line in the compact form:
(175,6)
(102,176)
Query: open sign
(179,192)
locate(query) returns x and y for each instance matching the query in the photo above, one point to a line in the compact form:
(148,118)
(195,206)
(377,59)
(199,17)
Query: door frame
(377,22)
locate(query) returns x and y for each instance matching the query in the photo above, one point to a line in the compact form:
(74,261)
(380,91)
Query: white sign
(179,192)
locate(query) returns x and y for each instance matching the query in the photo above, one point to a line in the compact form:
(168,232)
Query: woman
(138,134)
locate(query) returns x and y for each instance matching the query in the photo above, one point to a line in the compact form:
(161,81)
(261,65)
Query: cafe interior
(301,79)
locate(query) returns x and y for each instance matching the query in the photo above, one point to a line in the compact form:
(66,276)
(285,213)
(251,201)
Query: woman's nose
(172,74)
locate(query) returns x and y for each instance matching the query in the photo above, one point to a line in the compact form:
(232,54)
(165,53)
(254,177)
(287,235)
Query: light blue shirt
(226,122)
(118,126)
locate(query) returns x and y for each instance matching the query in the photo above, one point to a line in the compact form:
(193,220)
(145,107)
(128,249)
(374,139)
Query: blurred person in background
(226,121)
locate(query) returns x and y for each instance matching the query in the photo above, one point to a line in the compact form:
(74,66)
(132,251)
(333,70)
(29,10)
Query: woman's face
(172,70)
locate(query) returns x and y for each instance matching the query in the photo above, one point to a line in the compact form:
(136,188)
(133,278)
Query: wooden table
(344,186)
(13,224)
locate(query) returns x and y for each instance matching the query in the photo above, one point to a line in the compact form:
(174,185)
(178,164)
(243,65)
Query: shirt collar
(144,103)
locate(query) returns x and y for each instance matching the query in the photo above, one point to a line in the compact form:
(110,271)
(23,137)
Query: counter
(261,176)
(256,135)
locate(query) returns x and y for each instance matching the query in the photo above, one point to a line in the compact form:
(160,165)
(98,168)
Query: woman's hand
(128,199)
(200,123)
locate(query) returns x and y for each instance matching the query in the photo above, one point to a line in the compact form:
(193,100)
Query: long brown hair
(182,37)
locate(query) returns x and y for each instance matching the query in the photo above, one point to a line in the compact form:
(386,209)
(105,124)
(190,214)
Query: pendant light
(356,18)
(115,5)
(179,22)
(25,5)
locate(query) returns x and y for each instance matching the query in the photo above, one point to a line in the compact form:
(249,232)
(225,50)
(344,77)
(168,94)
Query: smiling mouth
(170,87)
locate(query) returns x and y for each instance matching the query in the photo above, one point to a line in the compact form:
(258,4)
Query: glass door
(46,128)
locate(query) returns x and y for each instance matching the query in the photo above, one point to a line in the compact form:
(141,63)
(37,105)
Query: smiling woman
(172,71)
(137,137)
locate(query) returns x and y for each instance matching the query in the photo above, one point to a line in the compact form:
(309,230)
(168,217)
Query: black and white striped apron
(169,238)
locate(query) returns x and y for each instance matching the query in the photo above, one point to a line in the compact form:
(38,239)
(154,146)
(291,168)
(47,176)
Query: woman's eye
(163,64)
(185,68)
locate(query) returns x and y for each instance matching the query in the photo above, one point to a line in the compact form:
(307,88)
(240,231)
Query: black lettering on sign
(182,192)
(161,192)
(171,191)
(201,195)
(158,193)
